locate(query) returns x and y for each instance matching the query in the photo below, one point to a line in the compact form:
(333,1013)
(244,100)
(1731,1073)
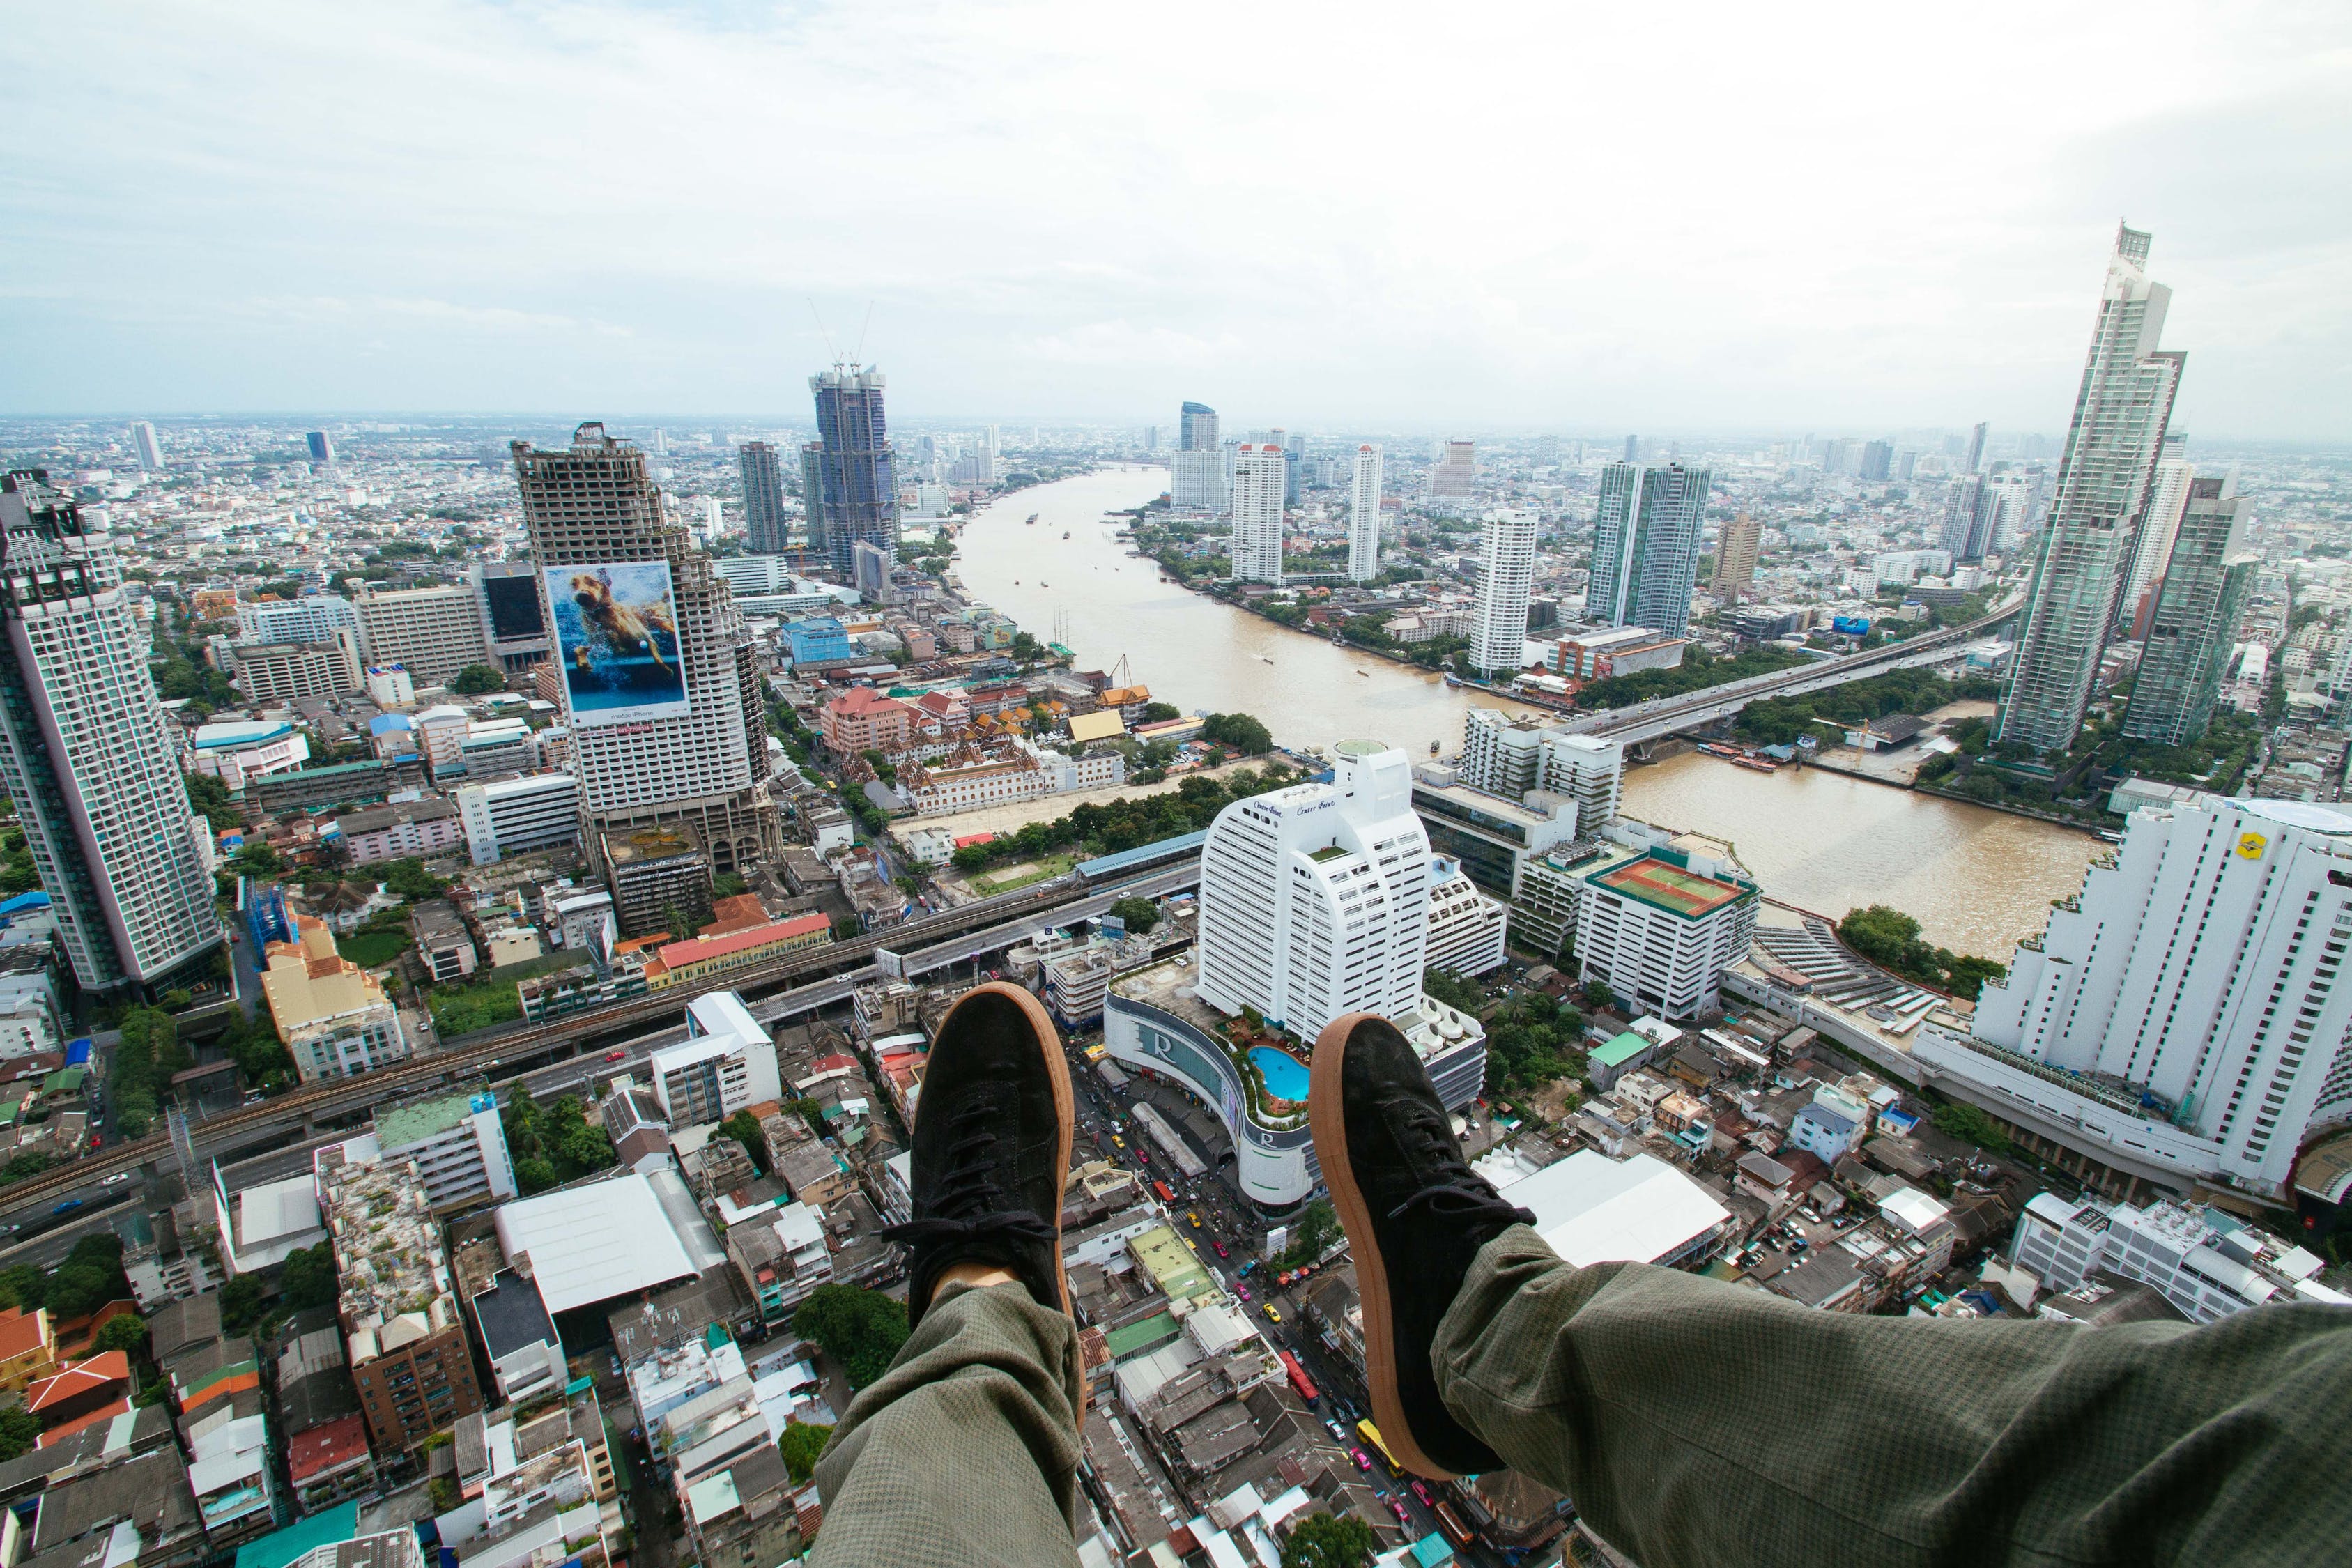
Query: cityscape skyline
(398,279)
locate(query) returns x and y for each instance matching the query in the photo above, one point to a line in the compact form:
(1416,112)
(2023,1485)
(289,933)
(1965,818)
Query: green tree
(860,1329)
(1238,731)
(729,885)
(1972,1125)
(1328,1540)
(1161,712)
(241,1301)
(127,1334)
(1451,989)
(407,878)
(1597,994)
(256,860)
(1140,914)
(20,1429)
(744,1128)
(800,1446)
(479,679)
(307,1278)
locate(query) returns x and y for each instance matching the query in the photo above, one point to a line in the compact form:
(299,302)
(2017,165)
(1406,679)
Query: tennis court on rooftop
(1669,887)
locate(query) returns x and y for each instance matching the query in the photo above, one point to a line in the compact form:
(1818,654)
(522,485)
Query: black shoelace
(1453,1192)
(967,1202)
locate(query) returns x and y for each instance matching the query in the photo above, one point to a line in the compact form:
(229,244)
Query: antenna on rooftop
(830,346)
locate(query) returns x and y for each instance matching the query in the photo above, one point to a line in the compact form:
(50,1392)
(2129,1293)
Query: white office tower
(1364,517)
(1467,928)
(2184,1019)
(148,449)
(2084,556)
(313,617)
(1196,480)
(433,632)
(652,761)
(1258,472)
(1314,898)
(2168,500)
(1515,757)
(86,754)
(513,817)
(1507,577)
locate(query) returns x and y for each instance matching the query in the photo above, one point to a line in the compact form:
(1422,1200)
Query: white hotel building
(1314,903)
(2183,1019)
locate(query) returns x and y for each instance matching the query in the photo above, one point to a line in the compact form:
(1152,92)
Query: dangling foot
(1415,1216)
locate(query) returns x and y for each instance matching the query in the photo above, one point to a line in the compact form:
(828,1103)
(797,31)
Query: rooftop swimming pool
(1285,1075)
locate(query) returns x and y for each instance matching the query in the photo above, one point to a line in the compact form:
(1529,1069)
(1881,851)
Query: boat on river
(1032,519)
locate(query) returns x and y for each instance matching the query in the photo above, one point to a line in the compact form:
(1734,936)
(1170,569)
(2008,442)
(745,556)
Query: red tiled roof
(83,1377)
(831,1064)
(322,1448)
(971,838)
(22,1333)
(695,949)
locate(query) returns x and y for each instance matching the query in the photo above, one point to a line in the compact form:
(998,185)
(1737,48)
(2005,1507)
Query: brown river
(1977,881)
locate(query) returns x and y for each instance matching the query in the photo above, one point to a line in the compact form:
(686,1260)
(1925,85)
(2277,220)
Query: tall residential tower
(2084,552)
(85,753)
(1645,546)
(1257,547)
(1734,557)
(1507,575)
(763,498)
(2200,596)
(1364,517)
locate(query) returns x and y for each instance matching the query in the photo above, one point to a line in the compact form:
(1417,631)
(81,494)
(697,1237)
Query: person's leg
(1693,1421)
(965,1450)
(1696,1422)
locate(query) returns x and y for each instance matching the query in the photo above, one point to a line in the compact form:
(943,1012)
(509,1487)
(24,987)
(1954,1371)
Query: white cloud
(1850,217)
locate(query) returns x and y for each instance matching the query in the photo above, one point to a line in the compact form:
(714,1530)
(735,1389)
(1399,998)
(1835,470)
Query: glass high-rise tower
(2199,599)
(856,472)
(1645,546)
(1196,429)
(2084,552)
(763,498)
(86,755)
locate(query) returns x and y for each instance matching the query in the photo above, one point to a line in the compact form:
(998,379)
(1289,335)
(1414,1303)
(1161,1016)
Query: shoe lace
(1453,1192)
(966,1204)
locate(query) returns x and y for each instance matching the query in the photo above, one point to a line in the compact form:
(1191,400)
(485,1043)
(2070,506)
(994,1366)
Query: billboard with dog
(616,629)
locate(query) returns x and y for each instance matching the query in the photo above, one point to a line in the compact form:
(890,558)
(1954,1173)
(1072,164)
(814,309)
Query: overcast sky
(1359,215)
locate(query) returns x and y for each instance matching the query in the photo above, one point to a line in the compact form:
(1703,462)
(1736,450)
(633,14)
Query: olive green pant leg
(1696,1422)
(966,1451)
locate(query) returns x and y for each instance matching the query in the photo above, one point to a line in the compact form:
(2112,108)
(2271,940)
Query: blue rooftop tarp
(78,1052)
(24,904)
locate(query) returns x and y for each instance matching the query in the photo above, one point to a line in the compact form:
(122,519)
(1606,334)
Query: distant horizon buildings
(2084,552)
(1506,572)
(145,447)
(86,754)
(856,471)
(1364,516)
(1255,549)
(1645,546)
(1454,480)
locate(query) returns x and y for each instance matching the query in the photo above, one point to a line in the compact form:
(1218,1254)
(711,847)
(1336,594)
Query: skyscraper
(86,755)
(1294,469)
(812,503)
(1734,557)
(1974,462)
(2084,552)
(1507,575)
(1633,448)
(1455,478)
(150,450)
(857,475)
(1314,898)
(1364,516)
(1196,429)
(763,498)
(1877,462)
(1256,548)
(2200,596)
(1970,510)
(2167,497)
(2190,997)
(1645,546)
(322,445)
(666,779)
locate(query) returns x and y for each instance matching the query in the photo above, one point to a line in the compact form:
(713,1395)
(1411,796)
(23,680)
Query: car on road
(1220,1246)
(66,1206)
(115,1180)
(1363,1460)
(1272,1313)
(1403,1514)
(1241,1289)
(1338,1431)
(1420,1490)
(1143,1154)
(616,1056)
(1117,1141)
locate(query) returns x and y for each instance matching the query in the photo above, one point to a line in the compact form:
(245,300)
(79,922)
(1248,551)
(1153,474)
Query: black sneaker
(991,1151)
(1415,1216)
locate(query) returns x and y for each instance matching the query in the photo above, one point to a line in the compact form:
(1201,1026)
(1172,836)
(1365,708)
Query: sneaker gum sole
(1057,1071)
(1327,1116)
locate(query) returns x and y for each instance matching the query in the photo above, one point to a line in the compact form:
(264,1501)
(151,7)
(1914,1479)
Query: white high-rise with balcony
(1258,473)
(1314,898)
(1506,575)
(2160,525)
(2186,1017)
(1364,517)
